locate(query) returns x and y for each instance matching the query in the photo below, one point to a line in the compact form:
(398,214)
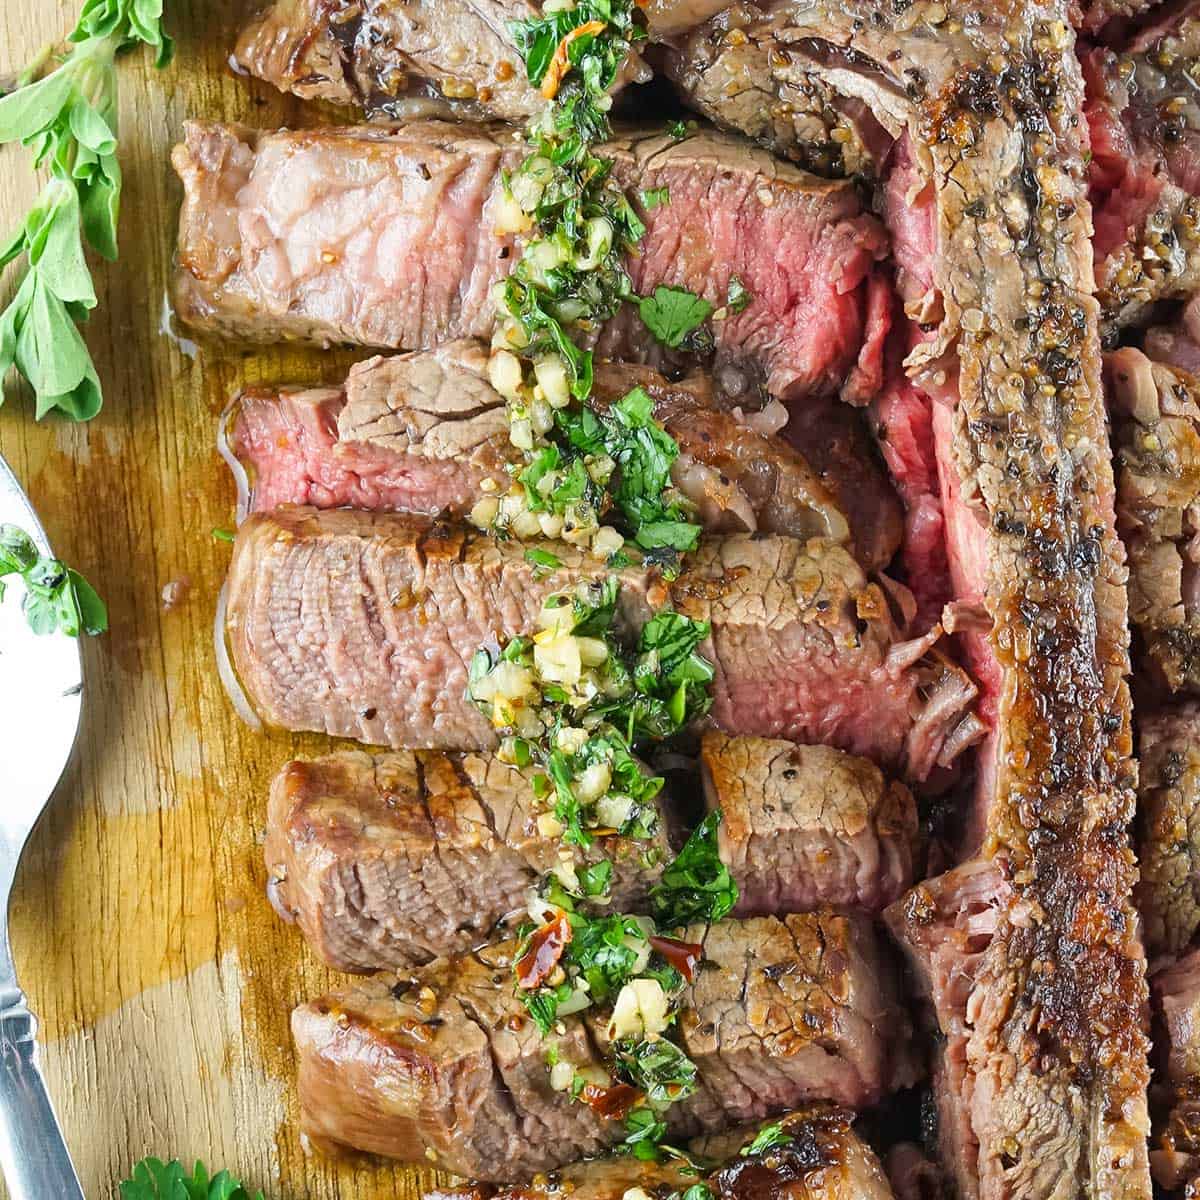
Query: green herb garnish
(673,313)
(659,1068)
(543,561)
(769,1137)
(68,119)
(653,198)
(737,296)
(224,535)
(155,1180)
(56,596)
(697,886)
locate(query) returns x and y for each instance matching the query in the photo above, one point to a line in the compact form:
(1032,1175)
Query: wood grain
(162,978)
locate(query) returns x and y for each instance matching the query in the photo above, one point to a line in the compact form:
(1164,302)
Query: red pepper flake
(556,72)
(613,1102)
(683,956)
(546,946)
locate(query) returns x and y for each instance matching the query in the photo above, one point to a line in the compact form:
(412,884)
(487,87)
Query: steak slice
(1168,894)
(363,625)
(1175,1153)
(946,925)
(992,107)
(804,826)
(1156,425)
(422,433)
(1144,175)
(384,236)
(822,1159)
(390,860)
(446,1066)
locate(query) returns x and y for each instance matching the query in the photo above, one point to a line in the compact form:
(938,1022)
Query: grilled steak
(421,432)
(362,625)
(1175,1158)
(448,1067)
(946,925)
(1055,1060)
(823,1159)
(385,237)
(1156,419)
(1145,170)
(1168,894)
(390,860)
(805,826)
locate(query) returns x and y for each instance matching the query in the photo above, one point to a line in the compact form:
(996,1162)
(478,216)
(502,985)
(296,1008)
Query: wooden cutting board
(162,978)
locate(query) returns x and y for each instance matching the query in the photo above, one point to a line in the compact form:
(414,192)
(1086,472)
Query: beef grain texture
(385,237)
(423,432)
(1054,1049)
(825,1160)
(804,826)
(446,1067)
(1168,894)
(1156,427)
(1175,1157)
(387,861)
(363,625)
(1144,175)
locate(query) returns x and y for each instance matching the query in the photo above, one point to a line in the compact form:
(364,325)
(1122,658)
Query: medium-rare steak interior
(572,541)
(428,433)
(317,235)
(363,625)
(447,1066)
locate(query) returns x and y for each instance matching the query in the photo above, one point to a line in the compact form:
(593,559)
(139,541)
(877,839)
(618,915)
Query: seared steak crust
(1175,1156)
(447,1066)
(1057,1048)
(362,625)
(387,861)
(295,235)
(1156,420)
(804,826)
(422,432)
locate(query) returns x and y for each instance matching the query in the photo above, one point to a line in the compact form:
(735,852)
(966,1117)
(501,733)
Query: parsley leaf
(672,313)
(658,1068)
(156,1180)
(737,297)
(768,1138)
(56,596)
(542,561)
(697,886)
(653,198)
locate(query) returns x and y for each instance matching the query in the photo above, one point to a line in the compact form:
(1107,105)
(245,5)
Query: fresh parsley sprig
(155,1180)
(68,120)
(56,597)
(697,886)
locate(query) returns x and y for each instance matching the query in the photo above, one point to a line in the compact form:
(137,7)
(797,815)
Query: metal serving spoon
(41,684)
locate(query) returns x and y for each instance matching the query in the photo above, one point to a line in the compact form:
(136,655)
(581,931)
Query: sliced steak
(447,1067)
(362,625)
(1145,171)
(804,826)
(946,925)
(1156,424)
(384,236)
(1175,1153)
(818,1157)
(1168,894)
(423,432)
(387,861)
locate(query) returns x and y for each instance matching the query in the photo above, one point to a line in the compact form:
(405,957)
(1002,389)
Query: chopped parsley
(672,314)
(697,886)
(678,130)
(542,560)
(737,297)
(768,1138)
(653,198)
